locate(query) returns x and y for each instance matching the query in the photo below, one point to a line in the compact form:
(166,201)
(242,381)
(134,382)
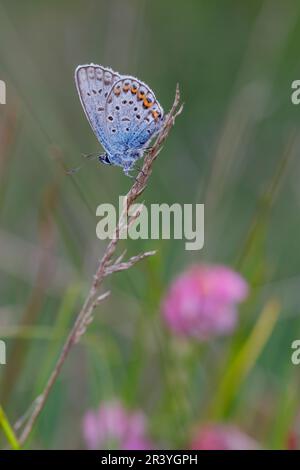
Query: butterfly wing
(93,83)
(132,114)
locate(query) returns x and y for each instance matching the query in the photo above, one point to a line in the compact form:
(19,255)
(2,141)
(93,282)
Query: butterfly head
(103,158)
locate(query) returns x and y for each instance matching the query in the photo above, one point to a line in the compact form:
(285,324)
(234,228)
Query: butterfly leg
(127,173)
(128,167)
(132,168)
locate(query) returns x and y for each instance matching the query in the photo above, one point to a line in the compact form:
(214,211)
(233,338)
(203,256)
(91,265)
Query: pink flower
(202,302)
(112,426)
(222,437)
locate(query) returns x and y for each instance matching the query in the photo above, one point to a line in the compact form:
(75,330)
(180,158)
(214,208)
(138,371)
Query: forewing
(93,83)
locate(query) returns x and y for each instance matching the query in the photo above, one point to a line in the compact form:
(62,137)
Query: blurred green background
(235,148)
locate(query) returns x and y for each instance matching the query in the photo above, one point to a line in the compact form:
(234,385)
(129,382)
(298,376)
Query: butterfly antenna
(88,157)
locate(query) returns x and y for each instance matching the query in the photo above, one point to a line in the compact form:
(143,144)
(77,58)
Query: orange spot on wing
(155,114)
(133,90)
(126,87)
(147,103)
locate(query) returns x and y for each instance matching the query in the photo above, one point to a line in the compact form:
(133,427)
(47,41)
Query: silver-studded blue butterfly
(122,111)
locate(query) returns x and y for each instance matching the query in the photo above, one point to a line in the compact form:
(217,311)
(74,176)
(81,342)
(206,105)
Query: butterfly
(122,111)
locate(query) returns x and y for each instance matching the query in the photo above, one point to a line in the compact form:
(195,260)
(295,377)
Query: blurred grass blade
(257,231)
(245,359)
(64,316)
(8,430)
(286,413)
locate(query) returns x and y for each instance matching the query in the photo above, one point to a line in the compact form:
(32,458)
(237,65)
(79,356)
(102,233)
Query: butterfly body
(122,111)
